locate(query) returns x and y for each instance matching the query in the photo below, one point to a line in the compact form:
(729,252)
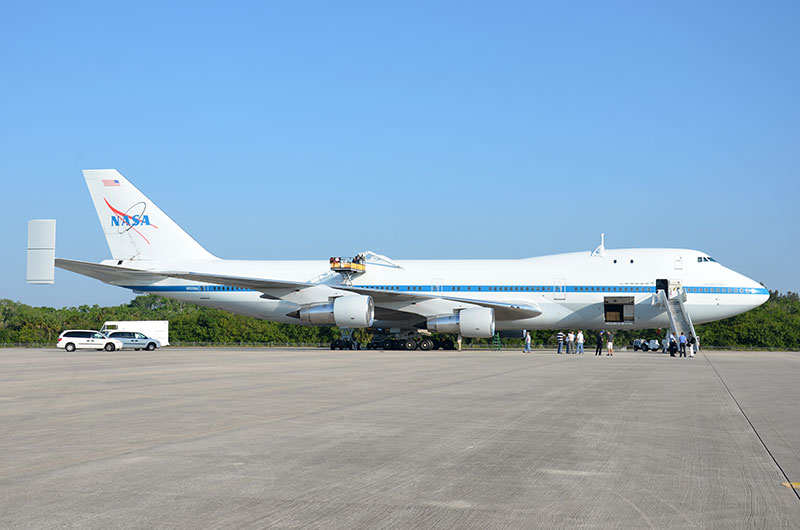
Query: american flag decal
(110,182)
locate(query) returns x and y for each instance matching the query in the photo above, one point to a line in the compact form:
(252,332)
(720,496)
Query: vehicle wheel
(636,348)
(448,344)
(645,348)
(109,346)
(409,345)
(151,346)
(426,345)
(334,344)
(69,347)
(137,349)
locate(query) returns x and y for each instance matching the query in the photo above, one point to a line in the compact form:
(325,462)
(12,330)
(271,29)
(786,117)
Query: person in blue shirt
(682,344)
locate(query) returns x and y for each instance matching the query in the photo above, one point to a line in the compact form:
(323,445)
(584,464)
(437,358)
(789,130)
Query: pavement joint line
(794,486)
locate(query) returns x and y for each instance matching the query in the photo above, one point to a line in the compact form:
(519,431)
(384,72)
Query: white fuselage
(572,290)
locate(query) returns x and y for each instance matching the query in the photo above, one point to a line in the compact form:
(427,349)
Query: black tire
(426,345)
(109,346)
(150,346)
(69,347)
(409,345)
(436,344)
(334,344)
(137,349)
(645,347)
(636,348)
(448,344)
(388,344)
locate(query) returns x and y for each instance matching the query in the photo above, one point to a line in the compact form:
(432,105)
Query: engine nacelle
(474,323)
(354,311)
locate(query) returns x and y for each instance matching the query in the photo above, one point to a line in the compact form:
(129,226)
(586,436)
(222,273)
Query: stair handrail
(662,299)
(681,299)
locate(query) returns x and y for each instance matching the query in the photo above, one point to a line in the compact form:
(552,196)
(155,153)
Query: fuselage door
(678,263)
(560,289)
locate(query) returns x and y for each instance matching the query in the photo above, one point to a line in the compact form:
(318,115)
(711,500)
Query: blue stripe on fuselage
(582,289)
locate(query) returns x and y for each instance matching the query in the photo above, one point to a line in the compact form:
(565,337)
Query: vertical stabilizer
(135,228)
(41,251)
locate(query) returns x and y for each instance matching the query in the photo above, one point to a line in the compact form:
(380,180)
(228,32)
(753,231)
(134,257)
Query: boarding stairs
(679,319)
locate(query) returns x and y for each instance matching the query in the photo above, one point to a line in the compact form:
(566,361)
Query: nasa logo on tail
(133,218)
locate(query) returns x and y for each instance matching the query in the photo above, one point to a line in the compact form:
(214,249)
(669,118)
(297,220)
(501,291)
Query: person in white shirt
(579,340)
(570,342)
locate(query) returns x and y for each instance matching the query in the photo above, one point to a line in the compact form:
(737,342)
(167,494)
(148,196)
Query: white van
(157,329)
(73,339)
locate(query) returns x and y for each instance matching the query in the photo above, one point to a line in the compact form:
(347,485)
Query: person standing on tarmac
(579,340)
(599,349)
(560,339)
(610,339)
(527,342)
(570,342)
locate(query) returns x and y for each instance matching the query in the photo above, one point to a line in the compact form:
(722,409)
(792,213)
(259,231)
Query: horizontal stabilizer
(107,273)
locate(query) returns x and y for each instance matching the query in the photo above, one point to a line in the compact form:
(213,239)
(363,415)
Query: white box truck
(157,329)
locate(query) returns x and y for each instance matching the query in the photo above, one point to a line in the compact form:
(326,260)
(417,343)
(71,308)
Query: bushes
(775,325)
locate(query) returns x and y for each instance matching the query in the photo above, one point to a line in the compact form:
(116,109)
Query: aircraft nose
(758,292)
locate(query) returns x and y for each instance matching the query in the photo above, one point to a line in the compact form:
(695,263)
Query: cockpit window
(701,259)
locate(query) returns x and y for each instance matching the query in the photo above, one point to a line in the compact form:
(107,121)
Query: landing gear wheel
(70,347)
(388,344)
(336,344)
(109,346)
(426,345)
(448,344)
(409,345)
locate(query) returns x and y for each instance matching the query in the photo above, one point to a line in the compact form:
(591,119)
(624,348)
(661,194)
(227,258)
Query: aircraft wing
(392,300)
(256,284)
(503,310)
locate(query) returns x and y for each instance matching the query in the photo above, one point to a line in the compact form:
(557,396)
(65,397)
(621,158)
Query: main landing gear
(410,343)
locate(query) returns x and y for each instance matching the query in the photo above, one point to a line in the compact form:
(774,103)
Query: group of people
(680,345)
(573,343)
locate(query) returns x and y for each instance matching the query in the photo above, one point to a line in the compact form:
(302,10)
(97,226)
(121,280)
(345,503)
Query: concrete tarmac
(305,438)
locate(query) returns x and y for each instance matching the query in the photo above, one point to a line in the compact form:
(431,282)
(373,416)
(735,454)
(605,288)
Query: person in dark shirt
(600,339)
(610,339)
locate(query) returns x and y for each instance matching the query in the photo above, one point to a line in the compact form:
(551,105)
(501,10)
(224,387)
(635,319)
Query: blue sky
(430,129)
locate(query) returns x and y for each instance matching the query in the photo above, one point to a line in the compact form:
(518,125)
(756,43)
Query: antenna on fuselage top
(600,251)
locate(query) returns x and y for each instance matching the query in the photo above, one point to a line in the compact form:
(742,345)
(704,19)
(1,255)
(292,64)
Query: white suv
(84,338)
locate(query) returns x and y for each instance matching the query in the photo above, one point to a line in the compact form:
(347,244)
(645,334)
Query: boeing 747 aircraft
(626,288)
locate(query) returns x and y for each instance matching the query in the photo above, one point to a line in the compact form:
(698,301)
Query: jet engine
(474,322)
(354,311)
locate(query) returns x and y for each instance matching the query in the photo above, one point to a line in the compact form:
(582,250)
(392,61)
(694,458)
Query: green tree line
(773,325)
